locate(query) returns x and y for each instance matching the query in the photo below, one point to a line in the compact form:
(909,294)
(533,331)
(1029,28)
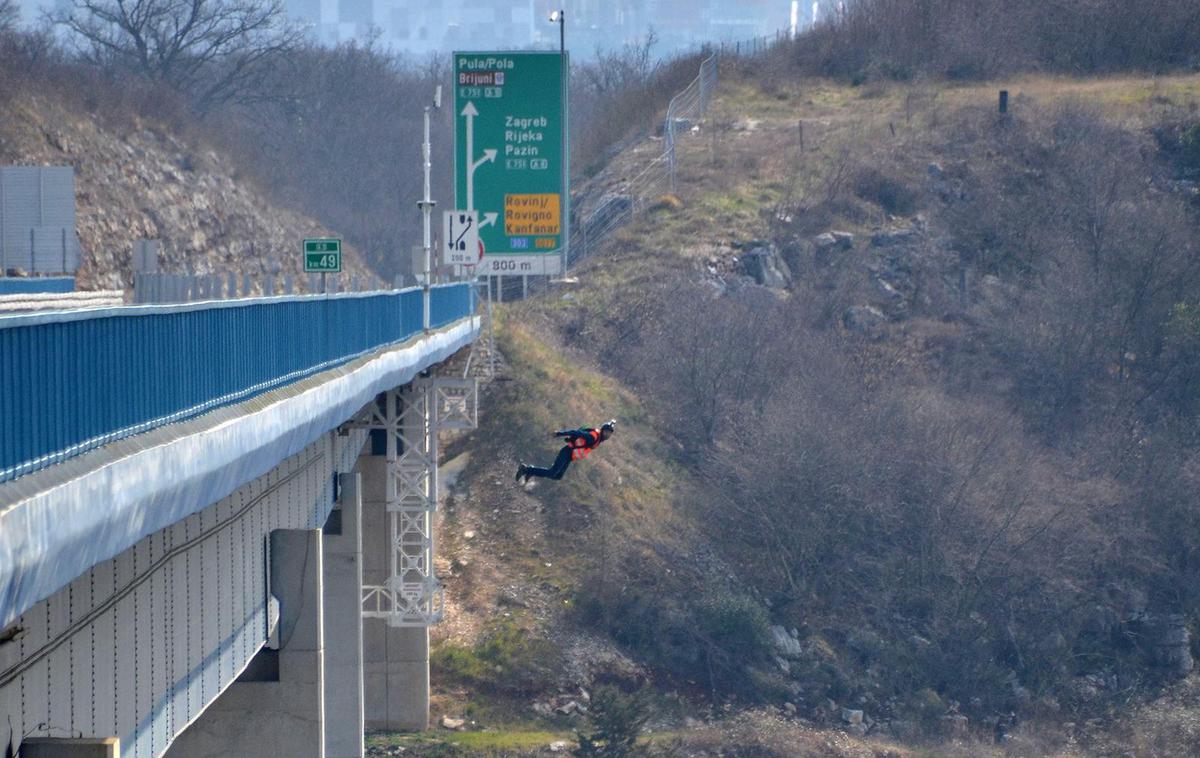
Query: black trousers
(557,470)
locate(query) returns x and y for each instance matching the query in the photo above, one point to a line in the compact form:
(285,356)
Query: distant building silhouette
(419,27)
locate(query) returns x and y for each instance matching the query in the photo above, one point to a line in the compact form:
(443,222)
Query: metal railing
(154,287)
(72,381)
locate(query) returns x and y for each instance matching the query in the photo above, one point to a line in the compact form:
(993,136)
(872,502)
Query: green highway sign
(509,157)
(322,256)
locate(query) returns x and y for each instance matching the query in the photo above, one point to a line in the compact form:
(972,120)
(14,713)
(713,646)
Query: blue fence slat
(8,411)
(20,285)
(446,301)
(72,385)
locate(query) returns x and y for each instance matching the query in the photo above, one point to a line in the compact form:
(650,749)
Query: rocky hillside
(137,179)
(852,507)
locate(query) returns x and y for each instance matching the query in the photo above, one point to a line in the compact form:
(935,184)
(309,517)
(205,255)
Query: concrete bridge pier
(277,706)
(342,537)
(396,659)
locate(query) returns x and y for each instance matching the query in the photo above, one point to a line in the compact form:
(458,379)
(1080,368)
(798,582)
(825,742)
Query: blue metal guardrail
(72,381)
(22,285)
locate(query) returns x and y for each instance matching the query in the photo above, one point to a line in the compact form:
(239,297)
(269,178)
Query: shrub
(508,659)
(888,192)
(715,637)
(615,723)
(736,624)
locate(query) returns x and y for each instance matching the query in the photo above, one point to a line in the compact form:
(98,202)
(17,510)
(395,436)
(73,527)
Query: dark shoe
(520,473)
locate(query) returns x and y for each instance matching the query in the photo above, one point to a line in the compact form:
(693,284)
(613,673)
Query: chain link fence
(624,201)
(755,46)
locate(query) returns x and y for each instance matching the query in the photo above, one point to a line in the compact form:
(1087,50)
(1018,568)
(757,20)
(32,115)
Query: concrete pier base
(277,708)
(397,676)
(342,539)
(45,747)
(395,660)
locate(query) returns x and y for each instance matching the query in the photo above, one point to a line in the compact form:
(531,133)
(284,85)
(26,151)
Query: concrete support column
(45,747)
(395,660)
(342,539)
(277,708)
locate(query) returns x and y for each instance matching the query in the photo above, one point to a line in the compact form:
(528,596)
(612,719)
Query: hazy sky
(420,27)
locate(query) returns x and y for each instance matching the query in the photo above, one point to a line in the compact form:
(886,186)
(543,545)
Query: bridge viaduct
(216,521)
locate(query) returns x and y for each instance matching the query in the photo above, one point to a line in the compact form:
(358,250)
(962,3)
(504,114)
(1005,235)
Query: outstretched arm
(571,434)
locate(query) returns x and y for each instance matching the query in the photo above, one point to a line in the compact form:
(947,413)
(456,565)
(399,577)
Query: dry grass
(731,188)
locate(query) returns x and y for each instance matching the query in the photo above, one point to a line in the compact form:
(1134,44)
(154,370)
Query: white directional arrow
(488,155)
(469,112)
(489,219)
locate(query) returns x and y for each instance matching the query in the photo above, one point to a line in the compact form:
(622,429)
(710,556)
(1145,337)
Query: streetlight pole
(560,16)
(426,205)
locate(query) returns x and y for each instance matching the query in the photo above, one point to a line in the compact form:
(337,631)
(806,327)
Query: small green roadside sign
(322,256)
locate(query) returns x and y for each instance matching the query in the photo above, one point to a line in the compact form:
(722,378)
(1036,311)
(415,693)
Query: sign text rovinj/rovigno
(509,159)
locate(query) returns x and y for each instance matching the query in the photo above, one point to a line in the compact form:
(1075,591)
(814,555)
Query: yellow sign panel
(531,215)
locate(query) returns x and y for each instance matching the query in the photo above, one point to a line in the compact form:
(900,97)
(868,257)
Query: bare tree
(9,13)
(211,50)
(707,358)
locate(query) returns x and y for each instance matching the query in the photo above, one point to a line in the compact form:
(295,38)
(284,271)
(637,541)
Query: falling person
(579,443)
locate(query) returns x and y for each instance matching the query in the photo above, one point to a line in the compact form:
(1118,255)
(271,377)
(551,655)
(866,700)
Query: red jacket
(581,441)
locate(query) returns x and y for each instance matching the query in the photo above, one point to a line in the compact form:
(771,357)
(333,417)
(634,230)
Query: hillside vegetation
(143,170)
(942,470)
(904,39)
